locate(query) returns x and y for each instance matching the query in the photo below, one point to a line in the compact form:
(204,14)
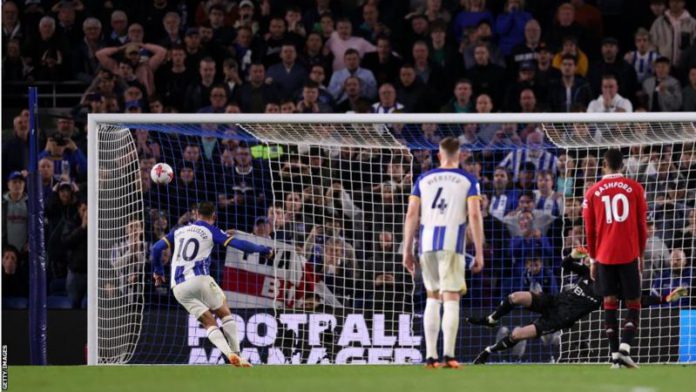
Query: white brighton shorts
(199,294)
(444,270)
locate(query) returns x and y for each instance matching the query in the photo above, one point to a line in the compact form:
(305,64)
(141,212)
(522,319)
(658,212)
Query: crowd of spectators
(468,56)
(264,54)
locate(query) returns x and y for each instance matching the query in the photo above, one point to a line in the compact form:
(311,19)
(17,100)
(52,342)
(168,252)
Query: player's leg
(214,298)
(190,295)
(450,326)
(218,303)
(611,324)
(608,287)
(228,326)
(452,284)
(630,284)
(431,315)
(547,323)
(431,326)
(229,330)
(507,304)
(518,334)
(630,325)
(214,334)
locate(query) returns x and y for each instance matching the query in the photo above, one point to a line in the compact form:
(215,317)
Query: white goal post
(109,139)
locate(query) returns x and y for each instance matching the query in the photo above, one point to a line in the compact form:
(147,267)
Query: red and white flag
(250,281)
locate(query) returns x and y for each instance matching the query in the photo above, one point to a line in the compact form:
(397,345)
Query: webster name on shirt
(448,178)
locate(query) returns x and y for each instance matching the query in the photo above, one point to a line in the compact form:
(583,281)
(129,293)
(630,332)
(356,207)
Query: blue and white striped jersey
(443,212)
(378,108)
(503,203)
(517,158)
(191,247)
(551,205)
(643,63)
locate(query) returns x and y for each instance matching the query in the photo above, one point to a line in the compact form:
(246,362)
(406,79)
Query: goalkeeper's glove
(579,252)
(677,294)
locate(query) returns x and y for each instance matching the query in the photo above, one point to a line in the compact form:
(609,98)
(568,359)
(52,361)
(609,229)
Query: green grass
(493,378)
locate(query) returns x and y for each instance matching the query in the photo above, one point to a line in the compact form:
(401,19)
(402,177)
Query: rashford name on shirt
(611,185)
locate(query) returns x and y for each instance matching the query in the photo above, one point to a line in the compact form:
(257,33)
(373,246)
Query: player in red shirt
(615,213)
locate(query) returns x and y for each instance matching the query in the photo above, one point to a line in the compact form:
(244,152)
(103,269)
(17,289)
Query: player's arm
(576,266)
(410,225)
(156,258)
(589,218)
(221,238)
(673,296)
(249,247)
(473,204)
(642,225)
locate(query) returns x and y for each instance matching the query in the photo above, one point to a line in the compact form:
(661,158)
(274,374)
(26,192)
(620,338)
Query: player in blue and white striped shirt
(190,280)
(643,58)
(545,198)
(442,200)
(534,153)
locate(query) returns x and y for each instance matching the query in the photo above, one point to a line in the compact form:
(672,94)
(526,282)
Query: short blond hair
(450,146)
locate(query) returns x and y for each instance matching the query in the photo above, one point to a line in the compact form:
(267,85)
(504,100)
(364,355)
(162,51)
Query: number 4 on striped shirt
(442,205)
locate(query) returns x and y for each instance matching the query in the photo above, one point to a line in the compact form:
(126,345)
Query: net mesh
(121,250)
(332,199)
(601,135)
(660,156)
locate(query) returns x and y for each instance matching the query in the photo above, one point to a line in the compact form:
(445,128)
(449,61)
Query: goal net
(329,193)
(662,157)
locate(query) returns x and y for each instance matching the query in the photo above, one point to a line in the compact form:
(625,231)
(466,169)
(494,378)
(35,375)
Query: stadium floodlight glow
(333,188)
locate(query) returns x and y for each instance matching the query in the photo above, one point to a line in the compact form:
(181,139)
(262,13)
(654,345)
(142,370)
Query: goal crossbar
(440,118)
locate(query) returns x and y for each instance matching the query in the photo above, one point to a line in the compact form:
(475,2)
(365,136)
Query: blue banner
(687,336)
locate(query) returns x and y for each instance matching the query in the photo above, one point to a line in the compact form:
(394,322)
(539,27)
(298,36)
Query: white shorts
(199,294)
(444,270)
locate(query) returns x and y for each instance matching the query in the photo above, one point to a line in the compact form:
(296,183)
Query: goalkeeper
(557,311)
(190,276)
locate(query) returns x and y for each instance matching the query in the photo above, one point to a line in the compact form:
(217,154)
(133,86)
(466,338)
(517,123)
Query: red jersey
(615,214)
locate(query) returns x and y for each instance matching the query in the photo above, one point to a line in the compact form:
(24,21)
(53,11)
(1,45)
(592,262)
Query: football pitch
(494,378)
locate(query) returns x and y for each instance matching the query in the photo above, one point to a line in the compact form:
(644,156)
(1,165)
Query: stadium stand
(214,56)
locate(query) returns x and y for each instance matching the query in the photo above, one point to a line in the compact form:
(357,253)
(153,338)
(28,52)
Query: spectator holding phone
(68,159)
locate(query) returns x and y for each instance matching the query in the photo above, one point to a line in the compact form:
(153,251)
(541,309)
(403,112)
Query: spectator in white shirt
(610,100)
(368,85)
(387,100)
(342,40)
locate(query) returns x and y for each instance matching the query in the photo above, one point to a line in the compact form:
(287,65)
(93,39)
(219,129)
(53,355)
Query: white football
(162,174)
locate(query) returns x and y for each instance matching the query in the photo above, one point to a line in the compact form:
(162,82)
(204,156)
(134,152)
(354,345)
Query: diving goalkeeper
(557,311)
